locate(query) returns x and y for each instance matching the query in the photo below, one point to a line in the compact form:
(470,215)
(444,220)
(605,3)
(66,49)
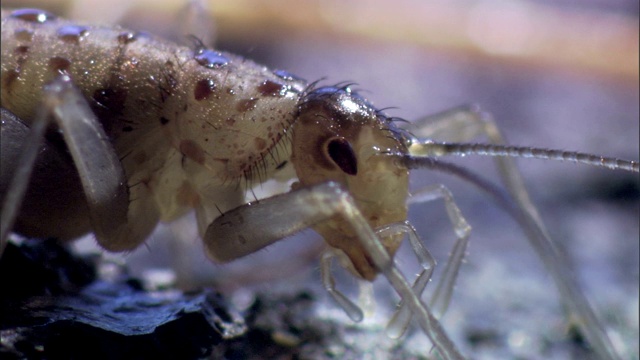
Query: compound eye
(341,152)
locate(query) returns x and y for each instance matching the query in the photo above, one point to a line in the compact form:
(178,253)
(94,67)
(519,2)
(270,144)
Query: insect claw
(397,326)
(352,310)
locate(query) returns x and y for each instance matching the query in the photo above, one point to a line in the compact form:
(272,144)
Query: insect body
(174,128)
(192,127)
(162,105)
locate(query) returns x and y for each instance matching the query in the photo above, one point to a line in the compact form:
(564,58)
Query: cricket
(111,131)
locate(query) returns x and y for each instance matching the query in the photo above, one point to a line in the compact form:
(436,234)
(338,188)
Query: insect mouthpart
(340,137)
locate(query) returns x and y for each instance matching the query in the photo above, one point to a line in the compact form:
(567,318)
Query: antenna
(429,148)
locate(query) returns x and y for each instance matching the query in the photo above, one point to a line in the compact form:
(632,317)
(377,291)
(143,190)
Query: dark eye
(342,154)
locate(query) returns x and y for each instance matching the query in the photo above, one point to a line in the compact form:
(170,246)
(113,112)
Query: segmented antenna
(436,149)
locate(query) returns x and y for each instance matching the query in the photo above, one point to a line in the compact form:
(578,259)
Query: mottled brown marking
(230,121)
(21,53)
(260,143)
(245,105)
(24,35)
(21,50)
(203,89)
(59,64)
(110,99)
(192,150)
(271,88)
(9,77)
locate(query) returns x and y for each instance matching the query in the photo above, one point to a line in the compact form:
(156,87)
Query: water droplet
(211,59)
(285,75)
(132,63)
(33,15)
(72,33)
(126,37)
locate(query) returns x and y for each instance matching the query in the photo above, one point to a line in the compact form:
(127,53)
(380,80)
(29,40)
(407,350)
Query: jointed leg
(249,228)
(195,19)
(444,289)
(442,295)
(464,123)
(353,311)
(402,317)
(14,135)
(101,174)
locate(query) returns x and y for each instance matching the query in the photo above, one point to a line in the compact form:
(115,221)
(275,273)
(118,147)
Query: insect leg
(195,20)
(353,311)
(444,289)
(101,175)
(458,124)
(466,122)
(442,295)
(51,194)
(402,317)
(14,134)
(462,124)
(249,228)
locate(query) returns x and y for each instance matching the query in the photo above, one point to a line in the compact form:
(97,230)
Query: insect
(292,94)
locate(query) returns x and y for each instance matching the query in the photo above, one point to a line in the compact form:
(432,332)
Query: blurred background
(559,74)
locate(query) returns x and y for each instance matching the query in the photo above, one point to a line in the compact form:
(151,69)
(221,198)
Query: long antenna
(435,149)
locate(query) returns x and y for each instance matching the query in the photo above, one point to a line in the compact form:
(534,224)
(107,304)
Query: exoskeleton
(147,130)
